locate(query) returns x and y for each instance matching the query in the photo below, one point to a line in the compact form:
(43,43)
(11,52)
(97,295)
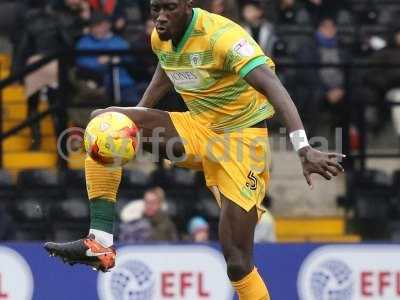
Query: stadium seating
(5,64)
(74,209)
(63,232)
(313,230)
(7,189)
(16,148)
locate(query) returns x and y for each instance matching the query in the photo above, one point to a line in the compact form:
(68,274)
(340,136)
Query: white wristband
(299,139)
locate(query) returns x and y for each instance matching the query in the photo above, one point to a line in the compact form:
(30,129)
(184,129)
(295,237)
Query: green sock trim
(102,212)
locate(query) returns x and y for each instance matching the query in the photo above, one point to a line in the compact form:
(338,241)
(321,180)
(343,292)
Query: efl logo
(166,272)
(16,281)
(351,272)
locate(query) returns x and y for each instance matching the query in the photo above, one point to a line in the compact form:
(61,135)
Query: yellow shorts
(235,163)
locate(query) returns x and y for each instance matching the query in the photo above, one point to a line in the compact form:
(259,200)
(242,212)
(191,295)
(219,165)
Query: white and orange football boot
(85,251)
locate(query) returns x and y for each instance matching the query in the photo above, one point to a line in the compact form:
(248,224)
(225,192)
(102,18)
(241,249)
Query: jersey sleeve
(237,52)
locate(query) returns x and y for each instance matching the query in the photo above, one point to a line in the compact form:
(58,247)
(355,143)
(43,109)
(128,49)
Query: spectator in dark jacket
(292,12)
(116,79)
(226,8)
(380,80)
(113,9)
(73,16)
(163,229)
(258,26)
(321,9)
(317,87)
(148,61)
(44,32)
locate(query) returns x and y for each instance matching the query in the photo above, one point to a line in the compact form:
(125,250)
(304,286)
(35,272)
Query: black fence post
(347,118)
(62,110)
(362,127)
(110,93)
(1,123)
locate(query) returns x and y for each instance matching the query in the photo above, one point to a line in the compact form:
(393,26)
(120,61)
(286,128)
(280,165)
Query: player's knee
(238,266)
(99,111)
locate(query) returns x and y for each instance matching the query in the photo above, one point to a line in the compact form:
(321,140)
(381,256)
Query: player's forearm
(266,82)
(159,86)
(284,106)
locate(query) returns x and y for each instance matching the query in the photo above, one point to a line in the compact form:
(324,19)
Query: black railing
(65,59)
(60,109)
(11,80)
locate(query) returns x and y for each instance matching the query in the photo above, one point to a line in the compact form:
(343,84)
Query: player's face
(170,17)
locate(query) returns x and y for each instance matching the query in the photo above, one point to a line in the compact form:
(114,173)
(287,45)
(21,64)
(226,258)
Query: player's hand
(324,164)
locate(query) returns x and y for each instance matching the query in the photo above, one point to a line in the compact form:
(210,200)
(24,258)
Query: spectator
(379,81)
(324,86)
(43,33)
(11,19)
(154,223)
(265,229)
(142,45)
(145,71)
(390,16)
(144,7)
(199,230)
(100,68)
(292,12)
(73,15)
(260,28)
(226,8)
(321,9)
(134,227)
(163,229)
(113,9)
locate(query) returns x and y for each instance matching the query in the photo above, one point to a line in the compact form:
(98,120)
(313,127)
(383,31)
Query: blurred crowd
(289,31)
(148,219)
(292,32)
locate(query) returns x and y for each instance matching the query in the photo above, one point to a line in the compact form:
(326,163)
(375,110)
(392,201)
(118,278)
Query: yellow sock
(101,181)
(251,287)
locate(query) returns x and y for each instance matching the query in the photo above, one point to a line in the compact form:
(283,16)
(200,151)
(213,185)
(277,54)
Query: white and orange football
(111,139)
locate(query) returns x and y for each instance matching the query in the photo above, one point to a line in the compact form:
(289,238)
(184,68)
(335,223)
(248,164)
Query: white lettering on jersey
(185,78)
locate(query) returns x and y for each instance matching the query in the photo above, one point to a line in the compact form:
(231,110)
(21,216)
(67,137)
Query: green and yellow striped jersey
(207,68)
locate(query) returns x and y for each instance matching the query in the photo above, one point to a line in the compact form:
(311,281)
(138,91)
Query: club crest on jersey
(243,48)
(195,59)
